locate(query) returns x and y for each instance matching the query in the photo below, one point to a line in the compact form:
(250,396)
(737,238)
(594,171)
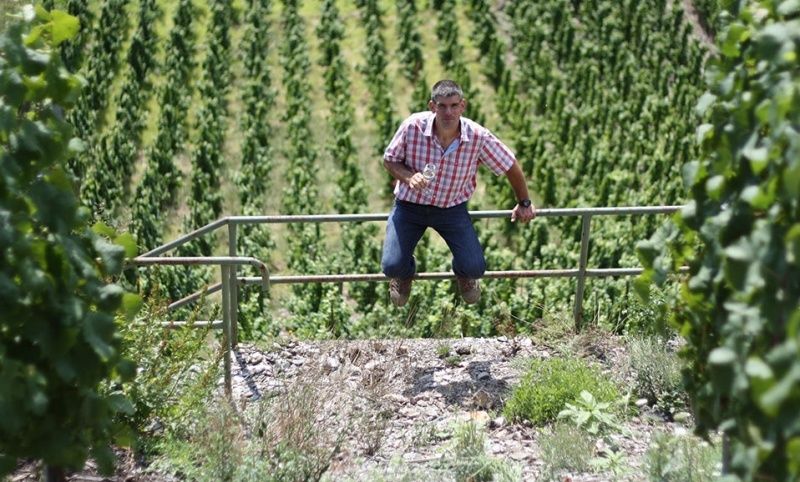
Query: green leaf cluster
(550,384)
(739,309)
(590,414)
(60,362)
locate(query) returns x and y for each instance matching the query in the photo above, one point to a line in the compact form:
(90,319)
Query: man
(456,146)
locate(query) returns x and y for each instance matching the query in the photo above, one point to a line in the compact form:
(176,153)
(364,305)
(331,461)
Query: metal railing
(230,280)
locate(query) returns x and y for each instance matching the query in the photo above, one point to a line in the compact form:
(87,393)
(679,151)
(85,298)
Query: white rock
(397,398)
(330,364)
(519,455)
(498,422)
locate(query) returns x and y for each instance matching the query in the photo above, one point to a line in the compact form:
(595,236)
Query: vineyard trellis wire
(230,279)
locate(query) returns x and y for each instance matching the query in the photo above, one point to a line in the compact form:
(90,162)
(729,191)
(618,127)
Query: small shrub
(550,384)
(565,448)
(647,319)
(214,450)
(175,370)
(299,445)
(443,350)
(468,459)
(612,462)
(554,329)
(424,434)
(591,415)
(288,441)
(373,430)
(658,374)
(683,458)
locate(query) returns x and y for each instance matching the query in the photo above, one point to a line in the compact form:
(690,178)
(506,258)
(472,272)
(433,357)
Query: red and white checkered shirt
(415,145)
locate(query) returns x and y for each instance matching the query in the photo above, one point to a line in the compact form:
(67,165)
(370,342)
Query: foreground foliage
(549,384)
(58,342)
(739,310)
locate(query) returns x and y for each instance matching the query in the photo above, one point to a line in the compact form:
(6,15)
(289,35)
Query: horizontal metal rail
(441,275)
(334,218)
(208,260)
(379,277)
(556,212)
(213,324)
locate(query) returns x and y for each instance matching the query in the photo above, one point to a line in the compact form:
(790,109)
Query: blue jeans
(407,223)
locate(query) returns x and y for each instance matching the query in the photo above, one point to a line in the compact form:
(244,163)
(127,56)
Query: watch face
(526,203)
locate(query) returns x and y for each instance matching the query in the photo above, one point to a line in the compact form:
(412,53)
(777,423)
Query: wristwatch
(526,203)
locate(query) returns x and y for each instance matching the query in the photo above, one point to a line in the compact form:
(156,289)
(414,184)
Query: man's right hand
(417,181)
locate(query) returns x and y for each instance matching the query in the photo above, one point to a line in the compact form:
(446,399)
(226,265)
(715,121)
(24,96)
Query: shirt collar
(463,126)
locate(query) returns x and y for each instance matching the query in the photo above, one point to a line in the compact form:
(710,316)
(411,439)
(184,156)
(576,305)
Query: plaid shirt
(415,145)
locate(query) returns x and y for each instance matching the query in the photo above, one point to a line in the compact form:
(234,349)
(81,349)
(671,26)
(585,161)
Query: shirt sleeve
(496,155)
(396,150)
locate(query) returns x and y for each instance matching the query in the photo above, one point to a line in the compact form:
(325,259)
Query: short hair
(446,88)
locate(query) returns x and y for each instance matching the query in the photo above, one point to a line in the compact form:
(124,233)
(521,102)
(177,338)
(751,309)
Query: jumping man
(452,147)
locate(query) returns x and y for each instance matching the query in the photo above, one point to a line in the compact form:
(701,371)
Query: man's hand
(417,182)
(523,214)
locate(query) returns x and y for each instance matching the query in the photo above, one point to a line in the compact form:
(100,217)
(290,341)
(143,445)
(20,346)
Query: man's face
(448,110)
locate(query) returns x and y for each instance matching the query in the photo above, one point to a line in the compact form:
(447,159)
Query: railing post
(226,327)
(577,311)
(234,286)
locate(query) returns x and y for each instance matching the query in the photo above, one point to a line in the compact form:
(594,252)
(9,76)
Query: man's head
(446,88)
(447,102)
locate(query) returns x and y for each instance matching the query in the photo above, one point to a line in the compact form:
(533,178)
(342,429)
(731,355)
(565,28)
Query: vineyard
(127,123)
(194,110)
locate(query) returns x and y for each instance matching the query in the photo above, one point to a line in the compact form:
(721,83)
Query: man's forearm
(517,179)
(399,171)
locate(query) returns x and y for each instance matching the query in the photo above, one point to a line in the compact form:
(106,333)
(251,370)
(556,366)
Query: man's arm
(517,179)
(402,173)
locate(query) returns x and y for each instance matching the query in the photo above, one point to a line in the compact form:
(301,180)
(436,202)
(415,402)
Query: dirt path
(700,31)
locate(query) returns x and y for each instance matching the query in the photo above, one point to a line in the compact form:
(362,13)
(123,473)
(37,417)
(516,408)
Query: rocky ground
(391,406)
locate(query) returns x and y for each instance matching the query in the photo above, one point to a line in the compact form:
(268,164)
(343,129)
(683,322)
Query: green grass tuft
(550,384)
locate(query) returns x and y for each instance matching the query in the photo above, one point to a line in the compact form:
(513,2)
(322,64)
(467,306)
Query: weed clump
(658,375)
(550,384)
(565,448)
(468,459)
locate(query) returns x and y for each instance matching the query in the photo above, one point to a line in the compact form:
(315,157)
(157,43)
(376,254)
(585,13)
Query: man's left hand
(523,214)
